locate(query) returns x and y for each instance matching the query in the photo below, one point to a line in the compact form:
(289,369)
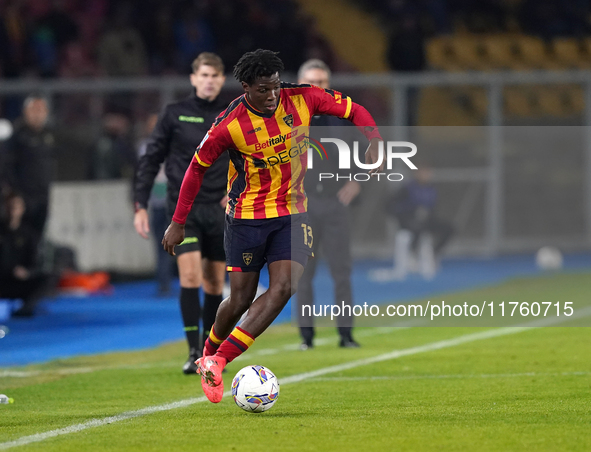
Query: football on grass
(255,389)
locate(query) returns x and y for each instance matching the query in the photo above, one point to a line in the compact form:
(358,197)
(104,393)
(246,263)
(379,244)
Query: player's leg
(212,218)
(271,239)
(190,276)
(244,246)
(336,249)
(214,277)
(243,287)
(288,245)
(283,278)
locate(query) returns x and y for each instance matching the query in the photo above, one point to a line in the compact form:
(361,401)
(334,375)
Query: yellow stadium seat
(518,101)
(479,100)
(471,52)
(575,99)
(585,52)
(567,51)
(551,100)
(498,49)
(441,55)
(533,52)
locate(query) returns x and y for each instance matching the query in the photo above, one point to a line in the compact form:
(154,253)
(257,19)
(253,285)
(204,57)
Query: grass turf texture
(525,391)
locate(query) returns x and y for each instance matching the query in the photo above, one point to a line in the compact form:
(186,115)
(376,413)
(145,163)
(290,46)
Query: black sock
(211,304)
(191,312)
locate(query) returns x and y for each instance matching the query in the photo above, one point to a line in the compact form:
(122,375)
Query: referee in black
(328,202)
(200,258)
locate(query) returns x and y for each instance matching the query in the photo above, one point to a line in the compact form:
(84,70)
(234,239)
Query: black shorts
(204,231)
(251,243)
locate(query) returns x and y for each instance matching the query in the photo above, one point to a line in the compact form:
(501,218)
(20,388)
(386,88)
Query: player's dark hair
(257,64)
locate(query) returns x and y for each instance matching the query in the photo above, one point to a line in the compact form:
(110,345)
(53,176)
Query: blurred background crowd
(74,38)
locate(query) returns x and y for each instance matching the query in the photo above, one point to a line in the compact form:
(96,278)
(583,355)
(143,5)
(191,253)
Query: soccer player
(266,220)
(200,258)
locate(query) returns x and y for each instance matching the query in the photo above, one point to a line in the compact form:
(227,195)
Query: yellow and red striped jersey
(268,151)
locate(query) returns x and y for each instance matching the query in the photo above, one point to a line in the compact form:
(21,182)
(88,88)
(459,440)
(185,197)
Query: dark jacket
(17,248)
(27,163)
(331,127)
(180,128)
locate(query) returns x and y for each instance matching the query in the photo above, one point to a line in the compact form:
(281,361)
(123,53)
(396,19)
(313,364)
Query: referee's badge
(247,257)
(288,120)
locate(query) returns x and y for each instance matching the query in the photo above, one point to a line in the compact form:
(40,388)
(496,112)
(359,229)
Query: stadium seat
(575,99)
(571,53)
(479,100)
(585,52)
(441,107)
(471,53)
(441,54)
(500,52)
(533,52)
(518,101)
(551,100)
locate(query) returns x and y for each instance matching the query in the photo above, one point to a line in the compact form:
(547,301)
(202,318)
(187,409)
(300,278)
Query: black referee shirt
(180,128)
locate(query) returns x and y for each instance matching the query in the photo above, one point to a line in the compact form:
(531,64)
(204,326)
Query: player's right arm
(157,150)
(213,145)
(330,102)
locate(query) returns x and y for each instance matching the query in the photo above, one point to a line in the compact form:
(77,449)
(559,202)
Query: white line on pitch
(488,334)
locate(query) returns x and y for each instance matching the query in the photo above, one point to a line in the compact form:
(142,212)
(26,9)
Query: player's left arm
(331,102)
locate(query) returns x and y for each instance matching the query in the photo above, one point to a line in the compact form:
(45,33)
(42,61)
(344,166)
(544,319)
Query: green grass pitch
(526,390)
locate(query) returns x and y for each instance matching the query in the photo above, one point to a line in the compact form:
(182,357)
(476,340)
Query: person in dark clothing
(201,258)
(414,208)
(112,156)
(27,161)
(329,216)
(19,275)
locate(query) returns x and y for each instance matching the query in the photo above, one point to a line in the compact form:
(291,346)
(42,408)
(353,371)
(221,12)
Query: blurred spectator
(76,61)
(129,37)
(13,39)
(406,46)
(45,51)
(158,216)
(20,277)
(121,50)
(158,34)
(551,18)
(414,207)
(113,156)
(27,161)
(192,37)
(483,16)
(60,24)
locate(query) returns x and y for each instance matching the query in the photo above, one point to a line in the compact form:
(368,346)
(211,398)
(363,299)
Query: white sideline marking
(488,334)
